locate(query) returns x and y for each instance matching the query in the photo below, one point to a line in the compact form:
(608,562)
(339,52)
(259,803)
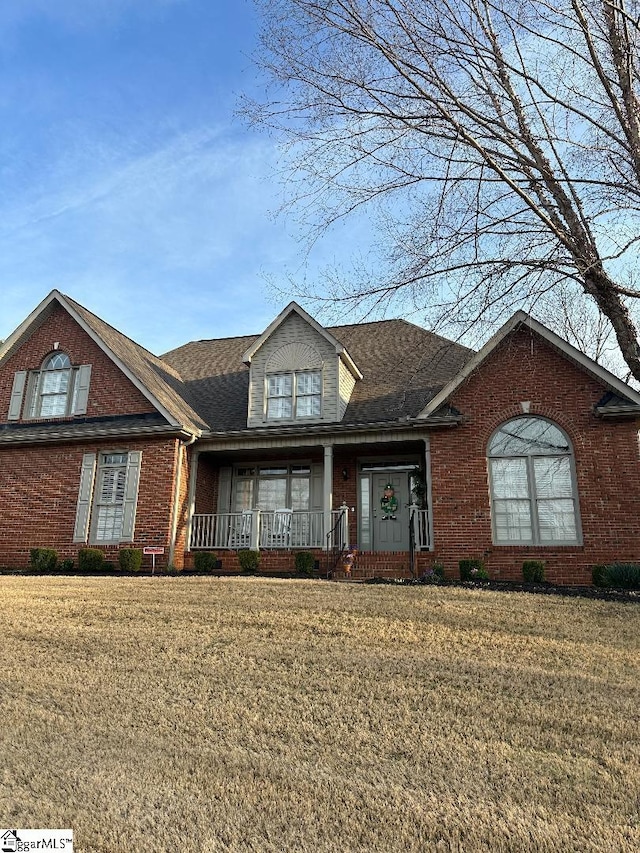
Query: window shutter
(31,400)
(81,391)
(224,490)
(317,487)
(17,391)
(83,510)
(134,460)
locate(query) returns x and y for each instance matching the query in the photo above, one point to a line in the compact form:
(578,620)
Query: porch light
(345,473)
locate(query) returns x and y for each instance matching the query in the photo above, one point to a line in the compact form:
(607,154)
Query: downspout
(176,499)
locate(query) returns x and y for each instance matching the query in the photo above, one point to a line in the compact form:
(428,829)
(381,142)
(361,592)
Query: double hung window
(533,489)
(294,395)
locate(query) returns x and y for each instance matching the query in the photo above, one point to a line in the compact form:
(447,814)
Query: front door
(390,511)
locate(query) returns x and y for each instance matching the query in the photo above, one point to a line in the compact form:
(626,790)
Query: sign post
(153,550)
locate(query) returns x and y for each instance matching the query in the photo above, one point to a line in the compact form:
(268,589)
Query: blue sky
(126,179)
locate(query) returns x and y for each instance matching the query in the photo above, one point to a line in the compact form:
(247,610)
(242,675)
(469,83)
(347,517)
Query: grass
(202,714)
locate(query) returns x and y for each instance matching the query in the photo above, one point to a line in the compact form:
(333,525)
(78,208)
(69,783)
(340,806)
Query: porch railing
(420,525)
(260,529)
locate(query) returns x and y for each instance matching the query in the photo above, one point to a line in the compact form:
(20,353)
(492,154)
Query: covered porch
(303,496)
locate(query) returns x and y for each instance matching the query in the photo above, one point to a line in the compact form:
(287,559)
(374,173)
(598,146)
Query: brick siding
(39,494)
(526,368)
(110,391)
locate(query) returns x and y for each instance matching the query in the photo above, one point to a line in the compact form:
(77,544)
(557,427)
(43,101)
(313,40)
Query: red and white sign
(153,549)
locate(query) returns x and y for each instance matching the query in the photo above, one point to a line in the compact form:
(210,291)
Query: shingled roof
(157,376)
(403,367)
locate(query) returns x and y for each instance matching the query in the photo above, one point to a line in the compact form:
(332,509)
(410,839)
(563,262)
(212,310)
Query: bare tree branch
(497,143)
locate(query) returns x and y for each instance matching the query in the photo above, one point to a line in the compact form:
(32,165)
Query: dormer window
(294,395)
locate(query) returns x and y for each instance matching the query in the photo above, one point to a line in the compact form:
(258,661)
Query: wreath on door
(388,503)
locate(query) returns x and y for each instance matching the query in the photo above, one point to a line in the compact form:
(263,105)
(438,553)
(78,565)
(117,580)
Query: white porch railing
(221,530)
(283,528)
(421,528)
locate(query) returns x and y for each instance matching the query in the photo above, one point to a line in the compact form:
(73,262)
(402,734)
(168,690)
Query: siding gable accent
(85,494)
(17,393)
(293,345)
(294,356)
(132,481)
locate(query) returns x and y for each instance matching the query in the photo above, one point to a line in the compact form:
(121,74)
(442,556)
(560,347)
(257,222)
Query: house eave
(611,412)
(328,429)
(71,434)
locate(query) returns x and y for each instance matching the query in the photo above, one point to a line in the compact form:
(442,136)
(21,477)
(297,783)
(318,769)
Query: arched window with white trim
(57,389)
(533,484)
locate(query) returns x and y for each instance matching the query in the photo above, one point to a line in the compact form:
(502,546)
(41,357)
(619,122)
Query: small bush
(473,570)
(205,561)
(623,575)
(43,559)
(66,565)
(90,560)
(249,560)
(130,559)
(433,574)
(533,571)
(600,575)
(171,570)
(304,562)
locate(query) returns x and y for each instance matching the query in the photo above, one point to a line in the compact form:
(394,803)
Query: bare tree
(498,140)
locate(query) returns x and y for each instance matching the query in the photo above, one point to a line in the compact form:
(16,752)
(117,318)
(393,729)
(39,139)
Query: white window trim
(535,541)
(76,393)
(294,374)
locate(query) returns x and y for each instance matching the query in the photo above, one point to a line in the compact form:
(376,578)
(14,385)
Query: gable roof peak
(521,318)
(292,308)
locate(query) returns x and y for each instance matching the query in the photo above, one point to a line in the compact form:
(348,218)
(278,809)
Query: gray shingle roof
(157,376)
(403,367)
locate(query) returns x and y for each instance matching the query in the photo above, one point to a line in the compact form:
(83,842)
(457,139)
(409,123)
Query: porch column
(327,495)
(428,496)
(191,500)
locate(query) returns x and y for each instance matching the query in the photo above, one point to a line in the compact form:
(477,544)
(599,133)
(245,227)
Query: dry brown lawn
(203,714)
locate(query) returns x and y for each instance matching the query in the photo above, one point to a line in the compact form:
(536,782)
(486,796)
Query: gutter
(51,437)
(323,429)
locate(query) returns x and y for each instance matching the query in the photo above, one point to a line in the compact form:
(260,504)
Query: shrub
(205,561)
(43,559)
(304,562)
(473,570)
(433,574)
(249,560)
(66,565)
(533,571)
(130,559)
(623,575)
(90,560)
(600,575)
(171,570)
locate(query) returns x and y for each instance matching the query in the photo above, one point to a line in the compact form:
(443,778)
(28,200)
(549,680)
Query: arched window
(533,487)
(52,396)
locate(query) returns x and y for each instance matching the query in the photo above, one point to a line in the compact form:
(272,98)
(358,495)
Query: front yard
(205,714)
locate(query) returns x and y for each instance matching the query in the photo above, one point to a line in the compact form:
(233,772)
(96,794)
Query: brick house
(312,438)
